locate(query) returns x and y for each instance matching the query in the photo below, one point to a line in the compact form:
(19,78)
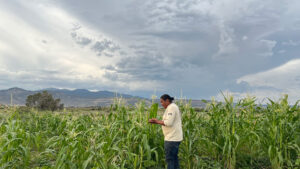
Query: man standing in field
(172,130)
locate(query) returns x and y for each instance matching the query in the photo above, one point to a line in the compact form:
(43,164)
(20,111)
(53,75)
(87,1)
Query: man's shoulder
(173,106)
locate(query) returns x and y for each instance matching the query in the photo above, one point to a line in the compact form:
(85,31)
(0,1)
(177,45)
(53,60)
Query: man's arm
(169,119)
(155,121)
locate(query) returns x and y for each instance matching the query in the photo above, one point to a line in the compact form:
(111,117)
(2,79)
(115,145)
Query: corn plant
(226,134)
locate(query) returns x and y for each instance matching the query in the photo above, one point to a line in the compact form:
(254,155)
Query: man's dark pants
(171,151)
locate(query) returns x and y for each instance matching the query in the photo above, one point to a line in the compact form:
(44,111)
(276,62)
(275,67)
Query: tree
(43,101)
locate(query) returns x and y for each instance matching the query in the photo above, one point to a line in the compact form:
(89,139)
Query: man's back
(172,120)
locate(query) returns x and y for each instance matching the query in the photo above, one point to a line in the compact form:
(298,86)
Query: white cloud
(245,37)
(267,47)
(291,43)
(227,46)
(261,95)
(275,82)
(281,77)
(282,51)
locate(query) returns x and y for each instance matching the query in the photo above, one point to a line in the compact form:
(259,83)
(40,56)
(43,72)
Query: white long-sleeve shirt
(172,120)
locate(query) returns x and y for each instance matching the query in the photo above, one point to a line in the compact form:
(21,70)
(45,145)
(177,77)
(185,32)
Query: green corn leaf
(153,110)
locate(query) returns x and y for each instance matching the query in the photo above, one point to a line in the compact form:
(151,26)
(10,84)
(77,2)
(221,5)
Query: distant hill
(76,98)
(19,95)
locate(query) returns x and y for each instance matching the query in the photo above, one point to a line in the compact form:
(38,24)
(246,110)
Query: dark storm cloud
(101,47)
(178,35)
(108,55)
(104,45)
(80,40)
(167,36)
(111,76)
(145,68)
(109,67)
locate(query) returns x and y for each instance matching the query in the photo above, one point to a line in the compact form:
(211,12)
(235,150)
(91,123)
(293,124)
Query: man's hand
(155,121)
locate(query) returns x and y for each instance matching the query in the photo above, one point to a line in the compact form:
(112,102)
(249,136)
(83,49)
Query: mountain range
(74,98)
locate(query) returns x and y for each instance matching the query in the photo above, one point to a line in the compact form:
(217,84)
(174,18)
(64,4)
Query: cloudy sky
(194,47)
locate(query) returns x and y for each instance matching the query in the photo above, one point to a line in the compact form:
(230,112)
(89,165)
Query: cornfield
(225,134)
